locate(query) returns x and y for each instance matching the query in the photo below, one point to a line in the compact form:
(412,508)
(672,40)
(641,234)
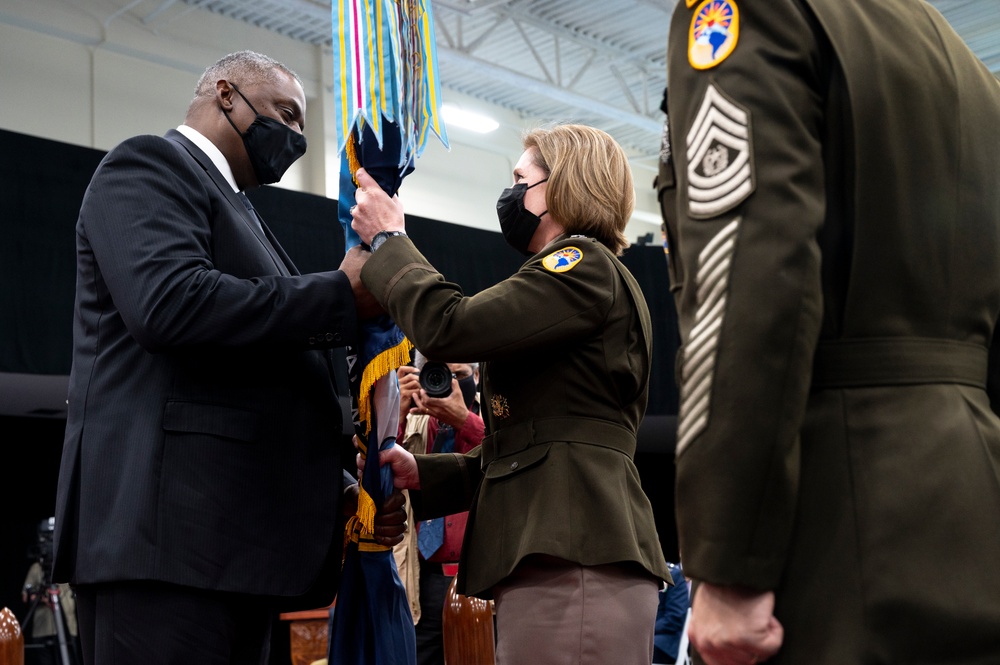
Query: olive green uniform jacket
(832,196)
(565,373)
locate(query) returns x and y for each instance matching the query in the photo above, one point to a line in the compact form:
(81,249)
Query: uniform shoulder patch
(715,30)
(562,260)
(719,155)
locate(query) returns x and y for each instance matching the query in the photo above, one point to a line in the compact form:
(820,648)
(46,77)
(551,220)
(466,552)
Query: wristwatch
(382,236)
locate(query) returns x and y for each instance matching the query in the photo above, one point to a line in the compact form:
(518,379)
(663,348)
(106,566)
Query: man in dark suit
(835,246)
(201,488)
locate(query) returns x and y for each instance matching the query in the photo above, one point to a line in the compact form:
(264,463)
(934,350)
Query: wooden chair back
(11,639)
(467,624)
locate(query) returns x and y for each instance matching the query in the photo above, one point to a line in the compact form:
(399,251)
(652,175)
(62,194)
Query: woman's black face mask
(517,224)
(271,146)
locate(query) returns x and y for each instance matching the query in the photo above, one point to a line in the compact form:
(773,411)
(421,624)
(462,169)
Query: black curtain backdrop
(43,184)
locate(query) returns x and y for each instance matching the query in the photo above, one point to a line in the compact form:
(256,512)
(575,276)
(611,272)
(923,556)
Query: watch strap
(382,236)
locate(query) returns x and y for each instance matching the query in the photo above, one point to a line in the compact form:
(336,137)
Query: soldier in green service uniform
(831,187)
(560,533)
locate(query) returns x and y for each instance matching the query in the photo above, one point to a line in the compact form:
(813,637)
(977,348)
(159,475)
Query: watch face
(382,236)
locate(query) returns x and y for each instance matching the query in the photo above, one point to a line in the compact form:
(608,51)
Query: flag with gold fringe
(386,104)
(371,622)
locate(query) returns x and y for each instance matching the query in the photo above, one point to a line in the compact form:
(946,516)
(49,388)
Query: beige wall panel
(44,86)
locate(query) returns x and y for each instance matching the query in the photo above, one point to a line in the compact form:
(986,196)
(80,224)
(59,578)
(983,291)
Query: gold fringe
(353,163)
(366,542)
(388,361)
(366,512)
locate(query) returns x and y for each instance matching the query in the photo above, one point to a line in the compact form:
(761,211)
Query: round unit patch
(715,29)
(562,260)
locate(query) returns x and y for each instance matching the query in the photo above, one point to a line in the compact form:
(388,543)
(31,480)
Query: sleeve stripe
(712,282)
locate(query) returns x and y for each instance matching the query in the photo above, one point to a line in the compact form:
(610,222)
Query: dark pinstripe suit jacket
(203,438)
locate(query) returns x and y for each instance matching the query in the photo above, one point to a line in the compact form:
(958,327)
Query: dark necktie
(282,268)
(431,534)
(249,206)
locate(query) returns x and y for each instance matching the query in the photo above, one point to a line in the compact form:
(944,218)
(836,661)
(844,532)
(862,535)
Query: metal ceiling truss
(600,62)
(533,57)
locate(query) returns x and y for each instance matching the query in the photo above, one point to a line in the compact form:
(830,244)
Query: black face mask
(517,224)
(271,146)
(468,386)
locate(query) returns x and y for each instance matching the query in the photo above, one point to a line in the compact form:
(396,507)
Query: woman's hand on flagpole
(405,474)
(374,211)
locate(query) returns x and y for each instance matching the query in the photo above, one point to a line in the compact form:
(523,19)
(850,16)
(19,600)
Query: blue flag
(371,622)
(386,104)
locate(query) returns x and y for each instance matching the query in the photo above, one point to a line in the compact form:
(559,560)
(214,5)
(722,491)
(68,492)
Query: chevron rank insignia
(719,156)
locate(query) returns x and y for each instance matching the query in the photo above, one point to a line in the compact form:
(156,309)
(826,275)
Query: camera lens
(435,378)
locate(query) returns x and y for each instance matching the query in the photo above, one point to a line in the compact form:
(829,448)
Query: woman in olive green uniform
(832,196)
(560,532)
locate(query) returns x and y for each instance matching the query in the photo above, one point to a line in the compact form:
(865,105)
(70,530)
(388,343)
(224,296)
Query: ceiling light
(467,119)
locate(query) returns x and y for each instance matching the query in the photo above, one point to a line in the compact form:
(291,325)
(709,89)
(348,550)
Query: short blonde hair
(590,190)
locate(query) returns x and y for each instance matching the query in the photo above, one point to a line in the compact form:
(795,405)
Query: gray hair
(244,68)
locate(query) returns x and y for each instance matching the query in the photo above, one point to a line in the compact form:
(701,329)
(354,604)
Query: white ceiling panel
(600,62)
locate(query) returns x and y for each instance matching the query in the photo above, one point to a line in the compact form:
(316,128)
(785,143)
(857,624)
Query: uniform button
(329,337)
(312,340)
(337,337)
(513,465)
